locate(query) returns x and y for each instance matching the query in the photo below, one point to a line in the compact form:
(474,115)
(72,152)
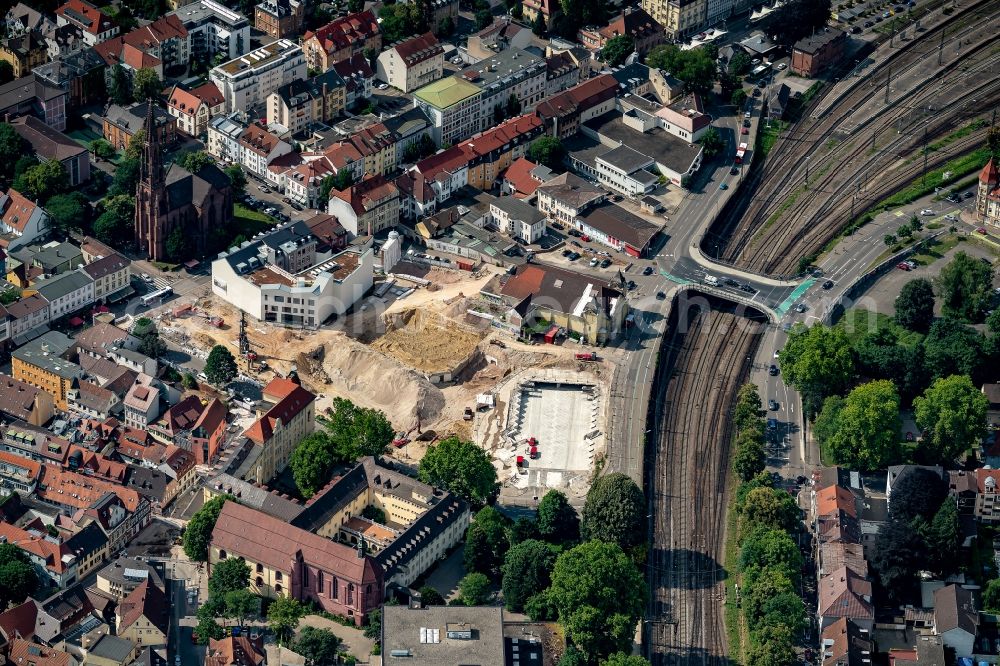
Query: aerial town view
(500,332)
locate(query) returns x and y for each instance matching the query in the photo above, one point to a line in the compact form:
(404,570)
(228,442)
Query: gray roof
(503,64)
(518,209)
(46,352)
(255,497)
(56,287)
(954,608)
(676,154)
(404,634)
(819,41)
(133,118)
(49,257)
(619,223)
(571,190)
(626,159)
(113,648)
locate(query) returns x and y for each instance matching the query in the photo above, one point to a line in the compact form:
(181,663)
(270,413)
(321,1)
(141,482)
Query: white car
(382,86)
(781,66)
(145,277)
(926,211)
(747,115)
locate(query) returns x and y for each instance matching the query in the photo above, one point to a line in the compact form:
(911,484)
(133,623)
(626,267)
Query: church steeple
(152,162)
(150,194)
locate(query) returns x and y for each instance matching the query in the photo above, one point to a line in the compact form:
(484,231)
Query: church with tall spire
(175,202)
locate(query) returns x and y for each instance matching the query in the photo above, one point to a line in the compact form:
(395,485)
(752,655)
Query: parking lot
(558,416)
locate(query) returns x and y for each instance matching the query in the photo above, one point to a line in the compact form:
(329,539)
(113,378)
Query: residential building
(26,652)
(340,39)
(79,75)
(281,278)
(143,617)
(565,112)
(96,26)
(811,55)
(561,72)
(122,576)
(177,200)
(23,402)
(195,426)
(21,18)
(565,197)
(686,118)
(54,258)
(453,105)
(111,651)
(18,474)
(52,559)
(845,594)
(21,220)
(41,364)
(444,634)
(490,153)
(236,650)
(49,143)
(583,305)
(111,275)
(511,72)
(193,109)
(377,147)
(246,81)
(67,293)
(85,397)
(517,219)
(214,29)
(844,643)
(166,40)
(289,416)
(297,105)
(412,63)
(279,18)
(120,124)
(956,619)
(224,134)
(142,403)
(24,52)
(35,96)
(547,8)
(287,560)
(502,34)
(441,10)
(366,208)
(25,315)
(259,148)
(422,522)
(988,195)
(633,21)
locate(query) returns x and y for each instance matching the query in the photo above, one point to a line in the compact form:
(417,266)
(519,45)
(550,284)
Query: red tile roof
(834,498)
(259,140)
(17,210)
(80,490)
(152,35)
(85,15)
(287,409)
(235,651)
(19,620)
(146,601)
(418,49)
(580,97)
(506,134)
(211,417)
(345,32)
(367,194)
(138,59)
(843,593)
(519,176)
(189,101)
(24,652)
(34,541)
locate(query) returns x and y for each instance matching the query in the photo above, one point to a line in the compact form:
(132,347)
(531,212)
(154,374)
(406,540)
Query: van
(711,280)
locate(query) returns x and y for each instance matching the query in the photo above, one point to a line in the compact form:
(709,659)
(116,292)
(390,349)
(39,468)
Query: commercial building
(142,402)
(342,38)
(49,144)
(566,196)
(511,72)
(453,106)
(214,29)
(288,418)
(581,304)
(563,113)
(41,364)
(111,275)
(18,474)
(412,63)
(54,563)
(35,96)
(120,577)
(988,195)
(618,228)
(686,118)
(282,278)
(25,316)
(683,18)
(66,292)
(297,105)
(811,55)
(444,635)
(193,109)
(247,80)
(259,148)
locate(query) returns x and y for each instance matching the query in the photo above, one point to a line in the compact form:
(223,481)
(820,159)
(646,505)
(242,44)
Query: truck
(586,356)
(711,281)
(741,152)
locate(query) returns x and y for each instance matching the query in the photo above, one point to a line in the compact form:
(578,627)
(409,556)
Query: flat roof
(261,57)
(677,154)
(443,635)
(447,92)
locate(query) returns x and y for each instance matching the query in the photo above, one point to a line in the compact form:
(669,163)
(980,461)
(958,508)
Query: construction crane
(244,343)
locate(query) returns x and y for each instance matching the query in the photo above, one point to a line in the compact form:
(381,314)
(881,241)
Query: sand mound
(426,342)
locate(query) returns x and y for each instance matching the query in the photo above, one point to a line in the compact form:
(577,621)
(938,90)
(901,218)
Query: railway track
(770,232)
(688,483)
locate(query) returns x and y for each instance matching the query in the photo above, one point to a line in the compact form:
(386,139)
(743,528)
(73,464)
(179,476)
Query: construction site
(419,357)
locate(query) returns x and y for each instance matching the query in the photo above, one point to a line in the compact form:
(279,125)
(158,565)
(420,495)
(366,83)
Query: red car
(744,130)
(532,442)
(903,266)
(585,238)
(533,453)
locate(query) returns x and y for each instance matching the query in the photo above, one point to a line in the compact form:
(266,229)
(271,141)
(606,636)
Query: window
(277,575)
(260,568)
(319,581)
(222,554)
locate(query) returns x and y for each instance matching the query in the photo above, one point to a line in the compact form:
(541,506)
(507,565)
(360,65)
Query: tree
(429,596)
(198,532)
(6,72)
(355,6)
(487,541)
(695,67)
(283,616)
(149,341)
(524,528)
(10,295)
(474,590)
(526,570)
(760,585)
(373,628)
(615,511)
(769,508)
(897,556)
(446,27)
(599,594)
(43,180)
(739,64)
(749,456)
(798,19)
(557,520)
(991,596)
(102,149)
(965,288)
(915,305)
(944,538)
(748,409)
(738,98)
(547,150)
(623,659)
(400,20)
(818,362)
(771,548)
(196,160)
(460,467)
(178,247)
(355,431)
(319,646)
(880,356)
(771,646)
(236,176)
(136,145)
(711,142)
(572,657)
(951,348)
(311,462)
(828,420)
(146,85)
(484,19)
(126,178)
(538,25)
(220,367)
(867,434)
(241,605)
(68,211)
(889,240)
(208,628)
(189,382)
(916,494)
(120,91)
(952,417)
(617,49)
(12,147)
(228,575)
(17,575)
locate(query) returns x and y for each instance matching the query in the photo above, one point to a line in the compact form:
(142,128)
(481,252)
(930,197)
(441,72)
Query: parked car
(903,266)
(927,211)
(576,243)
(631,285)
(868,24)
(750,289)
(723,186)
(800,308)
(735,170)
(730,282)
(744,130)
(567,252)
(747,115)
(145,277)
(782,66)
(756,92)
(593,262)
(382,86)
(605,263)
(575,232)
(746,123)
(660,296)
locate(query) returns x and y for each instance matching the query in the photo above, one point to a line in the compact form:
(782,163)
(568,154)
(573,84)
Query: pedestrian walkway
(674,278)
(794,296)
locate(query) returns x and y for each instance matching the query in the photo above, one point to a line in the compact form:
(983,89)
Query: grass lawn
(733,617)
(936,249)
(769,136)
(248,222)
(858,322)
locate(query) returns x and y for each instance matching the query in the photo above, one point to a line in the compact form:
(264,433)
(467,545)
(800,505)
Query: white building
(142,402)
(213,28)
(509,72)
(193,109)
(111,276)
(517,219)
(224,134)
(21,220)
(627,171)
(281,278)
(95,25)
(258,148)
(67,292)
(411,64)
(246,81)
(566,196)
(453,105)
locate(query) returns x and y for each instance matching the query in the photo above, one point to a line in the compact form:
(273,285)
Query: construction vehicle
(586,356)
(467,416)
